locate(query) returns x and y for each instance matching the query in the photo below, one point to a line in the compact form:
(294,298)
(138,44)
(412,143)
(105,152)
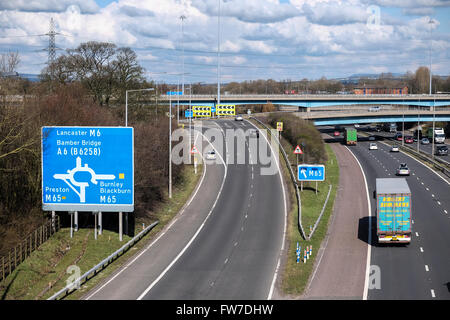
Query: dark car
(441,150)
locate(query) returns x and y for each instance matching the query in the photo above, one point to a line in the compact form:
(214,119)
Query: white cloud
(317,37)
(86,6)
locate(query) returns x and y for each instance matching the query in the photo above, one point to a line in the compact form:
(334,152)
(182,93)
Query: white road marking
(196,233)
(285,215)
(421,249)
(417,234)
(432,293)
(366,281)
(426,268)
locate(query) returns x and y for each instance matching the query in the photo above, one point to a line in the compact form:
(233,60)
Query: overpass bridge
(346,116)
(340,109)
(312,101)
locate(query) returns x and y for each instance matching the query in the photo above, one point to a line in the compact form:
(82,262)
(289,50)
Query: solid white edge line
(196,233)
(272,286)
(366,281)
(163,232)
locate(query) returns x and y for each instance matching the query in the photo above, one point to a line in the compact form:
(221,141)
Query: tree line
(77,93)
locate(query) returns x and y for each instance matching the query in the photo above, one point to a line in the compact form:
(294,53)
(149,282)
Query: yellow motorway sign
(201,111)
(280,126)
(226,110)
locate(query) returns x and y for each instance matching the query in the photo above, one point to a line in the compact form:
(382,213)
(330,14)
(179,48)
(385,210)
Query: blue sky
(260,39)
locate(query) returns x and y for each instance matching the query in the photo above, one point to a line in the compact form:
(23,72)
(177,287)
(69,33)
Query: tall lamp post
(218,56)
(126,101)
(431,43)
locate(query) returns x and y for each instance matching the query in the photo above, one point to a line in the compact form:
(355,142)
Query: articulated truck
(393,210)
(439,135)
(350,136)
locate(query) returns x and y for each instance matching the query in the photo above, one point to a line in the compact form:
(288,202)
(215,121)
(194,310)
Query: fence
(101,265)
(20,252)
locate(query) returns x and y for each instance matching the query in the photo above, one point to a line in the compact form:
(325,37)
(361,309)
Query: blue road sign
(213,109)
(174,93)
(88,169)
(307,172)
(188,113)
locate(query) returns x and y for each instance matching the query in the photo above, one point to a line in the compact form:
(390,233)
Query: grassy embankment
(295,276)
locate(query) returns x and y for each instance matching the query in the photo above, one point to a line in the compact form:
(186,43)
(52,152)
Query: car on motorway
(425,141)
(371,138)
(356,125)
(398,136)
(211,155)
(373,146)
(441,150)
(239,118)
(336,133)
(403,170)
(395,149)
(409,139)
(374,109)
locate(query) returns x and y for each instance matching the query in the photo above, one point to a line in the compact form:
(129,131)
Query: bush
(298,131)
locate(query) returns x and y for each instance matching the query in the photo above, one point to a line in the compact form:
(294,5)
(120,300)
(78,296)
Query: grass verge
(295,276)
(48,264)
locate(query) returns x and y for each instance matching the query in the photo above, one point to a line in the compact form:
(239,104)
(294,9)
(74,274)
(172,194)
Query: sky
(259,39)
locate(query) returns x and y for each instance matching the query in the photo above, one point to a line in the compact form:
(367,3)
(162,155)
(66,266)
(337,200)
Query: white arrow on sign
(303,172)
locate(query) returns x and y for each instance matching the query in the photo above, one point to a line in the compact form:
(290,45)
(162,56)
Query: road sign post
(308,172)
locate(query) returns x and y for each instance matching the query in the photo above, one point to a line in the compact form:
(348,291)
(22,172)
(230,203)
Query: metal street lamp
(431,43)
(126,101)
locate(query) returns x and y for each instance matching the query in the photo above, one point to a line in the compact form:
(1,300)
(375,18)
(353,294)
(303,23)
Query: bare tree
(9,62)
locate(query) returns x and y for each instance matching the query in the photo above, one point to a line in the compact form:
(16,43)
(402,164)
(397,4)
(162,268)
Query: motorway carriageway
(420,270)
(422,147)
(225,244)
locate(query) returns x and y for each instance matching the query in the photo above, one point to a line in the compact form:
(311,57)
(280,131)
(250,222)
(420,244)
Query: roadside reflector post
(304,257)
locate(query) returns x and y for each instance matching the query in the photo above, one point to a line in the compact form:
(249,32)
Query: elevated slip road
(225,245)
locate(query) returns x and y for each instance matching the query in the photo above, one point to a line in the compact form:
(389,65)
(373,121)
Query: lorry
(393,213)
(350,136)
(439,135)
(390,127)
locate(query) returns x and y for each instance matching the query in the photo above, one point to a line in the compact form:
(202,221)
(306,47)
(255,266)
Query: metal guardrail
(105,262)
(437,163)
(294,181)
(321,213)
